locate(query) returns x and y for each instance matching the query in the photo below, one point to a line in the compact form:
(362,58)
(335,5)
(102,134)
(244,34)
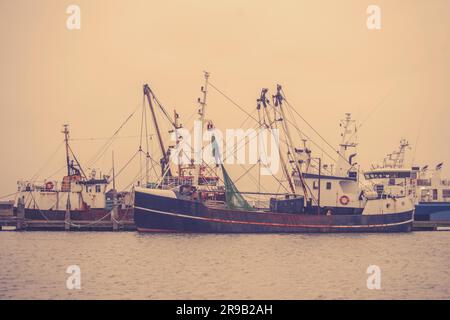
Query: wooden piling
(67,220)
(115,213)
(20,213)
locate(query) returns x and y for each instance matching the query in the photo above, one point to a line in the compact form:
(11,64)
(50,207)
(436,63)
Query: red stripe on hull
(157,230)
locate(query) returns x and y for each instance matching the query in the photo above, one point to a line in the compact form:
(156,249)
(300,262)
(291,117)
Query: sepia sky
(395,81)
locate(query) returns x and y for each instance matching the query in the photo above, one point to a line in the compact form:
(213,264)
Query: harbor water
(129,265)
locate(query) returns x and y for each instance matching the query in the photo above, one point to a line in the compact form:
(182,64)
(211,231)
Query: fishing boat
(78,197)
(430,190)
(433,195)
(6,208)
(315,202)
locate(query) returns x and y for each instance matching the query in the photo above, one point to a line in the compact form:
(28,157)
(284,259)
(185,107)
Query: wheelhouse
(390,174)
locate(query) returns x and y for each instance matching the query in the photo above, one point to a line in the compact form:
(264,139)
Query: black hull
(432,211)
(154,213)
(76,215)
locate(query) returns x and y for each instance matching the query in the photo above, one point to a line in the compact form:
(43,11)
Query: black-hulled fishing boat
(175,211)
(315,203)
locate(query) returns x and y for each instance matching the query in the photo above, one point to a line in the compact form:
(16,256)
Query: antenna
(66,141)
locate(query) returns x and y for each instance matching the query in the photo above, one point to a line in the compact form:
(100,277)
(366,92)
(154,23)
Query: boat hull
(154,213)
(432,211)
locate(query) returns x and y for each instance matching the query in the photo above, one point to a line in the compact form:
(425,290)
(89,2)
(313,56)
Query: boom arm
(165,156)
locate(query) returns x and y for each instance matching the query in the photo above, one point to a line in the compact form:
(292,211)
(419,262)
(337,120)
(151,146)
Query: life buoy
(49,185)
(344,200)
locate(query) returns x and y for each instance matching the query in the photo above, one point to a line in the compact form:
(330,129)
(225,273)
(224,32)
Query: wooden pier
(431,226)
(17,224)
(16,221)
(43,225)
(12,223)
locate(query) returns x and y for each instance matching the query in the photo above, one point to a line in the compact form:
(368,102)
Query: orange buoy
(344,200)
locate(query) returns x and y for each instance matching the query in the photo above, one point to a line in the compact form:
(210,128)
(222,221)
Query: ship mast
(201,112)
(292,153)
(71,164)
(397,158)
(177,141)
(344,162)
(66,141)
(263,100)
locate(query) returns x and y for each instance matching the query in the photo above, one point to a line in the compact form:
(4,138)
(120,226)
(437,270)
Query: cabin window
(424,182)
(424,195)
(406,175)
(392,182)
(315,185)
(446,193)
(87,189)
(328,185)
(98,188)
(435,194)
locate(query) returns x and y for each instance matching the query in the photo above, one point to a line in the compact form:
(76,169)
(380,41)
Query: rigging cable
(419,131)
(290,122)
(243,110)
(36,175)
(9,195)
(108,143)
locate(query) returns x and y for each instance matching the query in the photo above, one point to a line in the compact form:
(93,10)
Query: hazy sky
(395,80)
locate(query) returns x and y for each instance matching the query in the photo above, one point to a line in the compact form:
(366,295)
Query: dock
(13,223)
(16,224)
(43,225)
(431,226)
